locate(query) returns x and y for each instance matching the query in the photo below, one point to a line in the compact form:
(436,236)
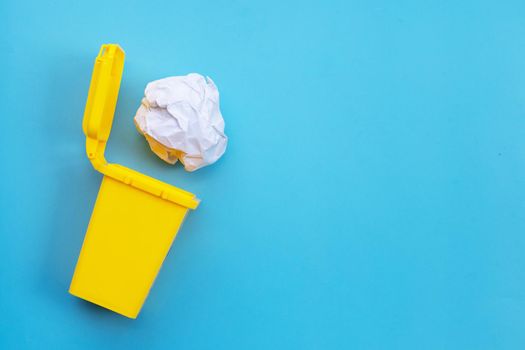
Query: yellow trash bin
(135,218)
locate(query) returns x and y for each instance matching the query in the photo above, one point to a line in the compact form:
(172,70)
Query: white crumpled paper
(181,120)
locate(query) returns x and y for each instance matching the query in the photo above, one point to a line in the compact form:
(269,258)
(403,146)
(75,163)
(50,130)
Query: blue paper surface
(372,195)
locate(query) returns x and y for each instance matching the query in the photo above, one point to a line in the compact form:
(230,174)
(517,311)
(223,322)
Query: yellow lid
(98,118)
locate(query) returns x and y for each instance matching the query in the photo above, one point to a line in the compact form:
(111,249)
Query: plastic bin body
(135,218)
(128,237)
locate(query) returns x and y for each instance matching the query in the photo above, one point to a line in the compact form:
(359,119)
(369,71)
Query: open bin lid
(102,98)
(98,118)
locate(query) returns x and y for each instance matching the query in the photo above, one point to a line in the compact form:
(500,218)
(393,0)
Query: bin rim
(97,121)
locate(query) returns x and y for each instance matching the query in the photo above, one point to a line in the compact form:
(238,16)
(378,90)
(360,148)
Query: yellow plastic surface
(135,218)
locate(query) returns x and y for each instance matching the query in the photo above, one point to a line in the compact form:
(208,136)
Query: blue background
(372,195)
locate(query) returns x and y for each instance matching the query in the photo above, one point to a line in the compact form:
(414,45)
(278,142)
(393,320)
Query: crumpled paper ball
(181,120)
